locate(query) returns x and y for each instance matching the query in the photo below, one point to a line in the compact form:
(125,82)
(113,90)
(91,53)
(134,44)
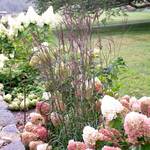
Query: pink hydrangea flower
(41,132)
(110,148)
(135,126)
(127,97)
(145,106)
(147,127)
(125,103)
(36,119)
(112,135)
(131,101)
(107,134)
(73,145)
(136,106)
(43,108)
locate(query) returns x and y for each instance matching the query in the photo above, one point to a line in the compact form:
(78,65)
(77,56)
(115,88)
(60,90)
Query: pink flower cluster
(111,135)
(132,104)
(35,133)
(136,125)
(91,136)
(45,110)
(73,145)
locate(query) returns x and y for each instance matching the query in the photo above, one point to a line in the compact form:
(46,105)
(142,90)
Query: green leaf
(145,147)
(141,147)
(101,144)
(116,123)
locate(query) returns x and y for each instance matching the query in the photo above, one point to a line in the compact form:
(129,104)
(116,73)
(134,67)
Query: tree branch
(146,5)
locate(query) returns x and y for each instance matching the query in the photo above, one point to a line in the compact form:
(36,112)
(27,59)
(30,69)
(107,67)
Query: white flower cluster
(44,147)
(110,107)
(3,30)
(21,21)
(90,135)
(3,58)
(1,87)
(46,95)
(43,45)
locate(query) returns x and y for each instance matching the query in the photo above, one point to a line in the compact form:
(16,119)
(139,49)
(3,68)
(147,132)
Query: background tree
(90,5)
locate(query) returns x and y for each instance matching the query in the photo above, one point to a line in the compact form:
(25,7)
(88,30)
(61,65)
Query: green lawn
(132,17)
(135,49)
(136,52)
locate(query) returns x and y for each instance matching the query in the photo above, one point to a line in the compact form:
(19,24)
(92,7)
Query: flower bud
(145,108)
(56,119)
(27,137)
(33,144)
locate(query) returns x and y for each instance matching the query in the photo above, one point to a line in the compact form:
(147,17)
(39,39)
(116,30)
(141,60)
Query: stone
(15,145)
(2,143)
(10,128)
(6,118)
(10,136)
(1,97)
(1,127)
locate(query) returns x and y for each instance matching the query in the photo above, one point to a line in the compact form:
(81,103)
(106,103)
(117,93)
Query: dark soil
(21,118)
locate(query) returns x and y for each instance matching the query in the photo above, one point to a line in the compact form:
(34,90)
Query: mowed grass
(135,49)
(130,17)
(136,52)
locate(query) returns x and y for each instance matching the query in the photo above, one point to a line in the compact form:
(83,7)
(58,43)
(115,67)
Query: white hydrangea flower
(3,58)
(12,55)
(46,95)
(90,135)
(57,20)
(45,44)
(110,107)
(48,15)
(34,49)
(18,23)
(21,18)
(8,97)
(50,18)
(44,147)
(26,22)
(40,22)
(4,19)
(11,33)
(11,21)
(3,30)
(1,86)
(31,16)
(14,24)
(1,65)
